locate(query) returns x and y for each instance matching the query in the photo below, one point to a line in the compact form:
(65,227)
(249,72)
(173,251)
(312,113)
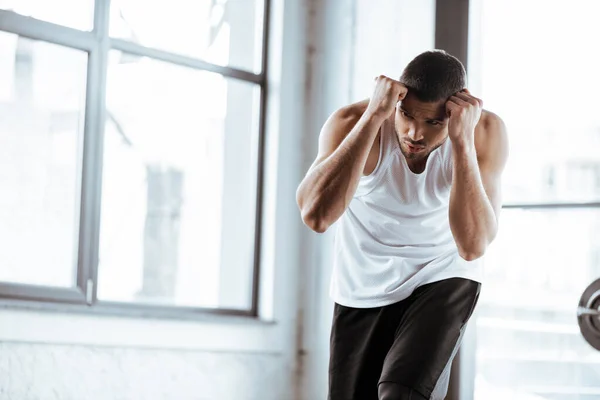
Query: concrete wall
(72,372)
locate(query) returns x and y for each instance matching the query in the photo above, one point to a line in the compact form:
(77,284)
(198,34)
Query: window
(528,340)
(131,154)
(224,32)
(80,13)
(41,129)
(542,81)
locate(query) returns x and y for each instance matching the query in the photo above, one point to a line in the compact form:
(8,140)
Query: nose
(414,134)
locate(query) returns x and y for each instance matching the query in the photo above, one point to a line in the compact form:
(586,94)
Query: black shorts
(410,343)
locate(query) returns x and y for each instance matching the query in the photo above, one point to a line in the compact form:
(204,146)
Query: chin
(412,156)
(415,156)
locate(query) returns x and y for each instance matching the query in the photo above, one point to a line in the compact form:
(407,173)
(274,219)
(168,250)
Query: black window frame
(97,43)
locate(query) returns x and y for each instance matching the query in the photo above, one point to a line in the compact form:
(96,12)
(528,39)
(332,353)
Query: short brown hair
(434,75)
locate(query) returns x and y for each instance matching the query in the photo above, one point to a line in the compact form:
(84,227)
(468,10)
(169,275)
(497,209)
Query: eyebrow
(406,112)
(426,119)
(435,119)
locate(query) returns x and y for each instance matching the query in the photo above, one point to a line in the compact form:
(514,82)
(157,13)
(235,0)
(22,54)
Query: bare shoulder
(349,114)
(491,138)
(338,125)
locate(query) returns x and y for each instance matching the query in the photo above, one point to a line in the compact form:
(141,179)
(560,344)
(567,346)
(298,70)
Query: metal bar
(91,194)
(20,291)
(261,164)
(587,311)
(264,38)
(452,28)
(81,275)
(135,310)
(41,30)
(139,50)
(157,310)
(551,205)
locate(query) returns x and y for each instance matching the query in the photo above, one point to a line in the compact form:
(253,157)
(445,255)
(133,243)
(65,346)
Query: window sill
(110,326)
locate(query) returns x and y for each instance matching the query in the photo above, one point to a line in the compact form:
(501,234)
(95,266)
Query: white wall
(72,372)
(329,65)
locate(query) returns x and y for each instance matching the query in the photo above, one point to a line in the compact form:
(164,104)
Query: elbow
(471,255)
(475,248)
(314,222)
(473,252)
(311,212)
(316,211)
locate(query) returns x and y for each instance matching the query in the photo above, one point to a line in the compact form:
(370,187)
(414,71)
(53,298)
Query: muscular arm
(475,198)
(344,145)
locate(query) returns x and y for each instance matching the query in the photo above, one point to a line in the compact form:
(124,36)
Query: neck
(417,166)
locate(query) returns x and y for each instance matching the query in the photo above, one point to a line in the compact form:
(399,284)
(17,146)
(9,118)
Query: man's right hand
(387,93)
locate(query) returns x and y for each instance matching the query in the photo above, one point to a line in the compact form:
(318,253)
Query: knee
(395,391)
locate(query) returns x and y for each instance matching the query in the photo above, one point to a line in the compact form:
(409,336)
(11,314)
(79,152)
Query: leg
(360,340)
(428,336)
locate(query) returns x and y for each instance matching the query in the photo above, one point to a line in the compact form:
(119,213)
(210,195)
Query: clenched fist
(464,111)
(387,93)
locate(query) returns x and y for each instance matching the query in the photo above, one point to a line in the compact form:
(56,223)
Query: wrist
(374,116)
(463,138)
(463,145)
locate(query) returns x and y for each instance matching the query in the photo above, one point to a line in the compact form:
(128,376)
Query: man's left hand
(464,111)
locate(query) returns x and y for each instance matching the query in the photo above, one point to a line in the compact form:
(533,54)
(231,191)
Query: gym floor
(150,241)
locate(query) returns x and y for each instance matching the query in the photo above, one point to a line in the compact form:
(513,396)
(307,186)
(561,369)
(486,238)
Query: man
(412,177)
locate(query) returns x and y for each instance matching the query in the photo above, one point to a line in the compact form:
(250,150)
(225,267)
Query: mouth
(414,149)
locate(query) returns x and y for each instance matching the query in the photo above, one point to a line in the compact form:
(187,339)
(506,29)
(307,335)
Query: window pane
(78,14)
(528,341)
(178,199)
(42,100)
(223,32)
(543,82)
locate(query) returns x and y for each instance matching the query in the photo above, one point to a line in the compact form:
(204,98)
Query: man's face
(421,127)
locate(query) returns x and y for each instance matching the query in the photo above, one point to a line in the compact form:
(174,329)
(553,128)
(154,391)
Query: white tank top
(395,235)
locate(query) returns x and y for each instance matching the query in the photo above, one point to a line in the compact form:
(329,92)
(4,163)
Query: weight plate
(589,325)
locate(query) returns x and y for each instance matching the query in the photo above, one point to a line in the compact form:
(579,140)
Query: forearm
(472,218)
(328,188)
